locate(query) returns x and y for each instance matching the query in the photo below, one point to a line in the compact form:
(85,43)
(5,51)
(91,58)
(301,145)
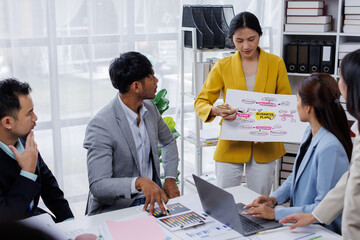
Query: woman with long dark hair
(323,156)
(346,194)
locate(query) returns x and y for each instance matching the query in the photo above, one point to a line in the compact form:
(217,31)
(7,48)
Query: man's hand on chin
(28,159)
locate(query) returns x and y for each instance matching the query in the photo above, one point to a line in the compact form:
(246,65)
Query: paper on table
(137,229)
(45,224)
(302,233)
(172,209)
(213,230)
(183,220)
(218,231)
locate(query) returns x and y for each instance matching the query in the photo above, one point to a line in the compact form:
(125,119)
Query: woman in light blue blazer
(323,156)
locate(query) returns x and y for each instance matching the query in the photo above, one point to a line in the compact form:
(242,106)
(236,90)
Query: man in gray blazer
(122,141)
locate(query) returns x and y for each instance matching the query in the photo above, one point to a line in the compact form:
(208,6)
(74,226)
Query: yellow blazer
(227,73)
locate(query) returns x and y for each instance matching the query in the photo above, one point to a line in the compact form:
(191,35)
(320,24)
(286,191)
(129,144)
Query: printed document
(263,117)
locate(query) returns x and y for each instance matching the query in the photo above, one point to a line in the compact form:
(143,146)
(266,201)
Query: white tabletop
(192,201)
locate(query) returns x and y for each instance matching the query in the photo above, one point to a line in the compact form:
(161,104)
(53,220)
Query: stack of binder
(307,16)
(309,57)
(352,16)
(211,23)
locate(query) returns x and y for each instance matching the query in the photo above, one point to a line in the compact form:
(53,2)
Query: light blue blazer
(323,164)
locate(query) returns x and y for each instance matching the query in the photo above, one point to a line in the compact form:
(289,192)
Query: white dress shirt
(142,142)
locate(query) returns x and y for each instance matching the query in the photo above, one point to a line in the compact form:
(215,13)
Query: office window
(162,18)
(29,64)
(64,48)
(44,140)
(73,160)
(74,81)
(17,19)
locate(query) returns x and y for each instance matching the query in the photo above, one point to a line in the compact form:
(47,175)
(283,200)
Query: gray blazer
(112,160)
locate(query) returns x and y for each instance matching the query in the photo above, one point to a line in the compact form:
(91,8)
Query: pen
(273,230)
(167,210)
(223,107)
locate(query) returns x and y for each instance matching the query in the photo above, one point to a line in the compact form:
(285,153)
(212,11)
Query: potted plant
(162,104)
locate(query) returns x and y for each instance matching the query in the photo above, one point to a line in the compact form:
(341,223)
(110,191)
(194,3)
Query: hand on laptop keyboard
(260,211)
(265,200)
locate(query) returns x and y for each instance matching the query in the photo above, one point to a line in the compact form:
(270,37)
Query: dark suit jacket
(17,192)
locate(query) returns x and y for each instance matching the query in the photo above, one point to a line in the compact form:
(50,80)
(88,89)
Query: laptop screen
(218,203)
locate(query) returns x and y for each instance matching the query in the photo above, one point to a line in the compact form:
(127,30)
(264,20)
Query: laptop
(221,205)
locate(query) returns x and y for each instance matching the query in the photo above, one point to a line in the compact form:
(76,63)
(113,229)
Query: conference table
(91,224)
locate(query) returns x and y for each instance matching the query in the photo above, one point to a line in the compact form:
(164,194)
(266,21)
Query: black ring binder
(211,23)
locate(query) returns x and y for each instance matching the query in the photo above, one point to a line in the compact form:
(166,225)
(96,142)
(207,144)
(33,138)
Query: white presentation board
(263,117)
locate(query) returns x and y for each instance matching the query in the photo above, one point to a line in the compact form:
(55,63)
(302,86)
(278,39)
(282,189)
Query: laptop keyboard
(249,226)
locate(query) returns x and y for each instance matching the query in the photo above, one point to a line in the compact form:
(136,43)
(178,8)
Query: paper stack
(307,16)
(208,136)
(347,47)
(352,16)
(203,70)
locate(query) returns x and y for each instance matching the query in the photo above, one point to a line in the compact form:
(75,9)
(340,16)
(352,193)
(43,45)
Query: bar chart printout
(173,209)
(182,221)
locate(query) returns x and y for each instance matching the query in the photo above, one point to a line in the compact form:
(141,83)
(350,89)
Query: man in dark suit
(24,176)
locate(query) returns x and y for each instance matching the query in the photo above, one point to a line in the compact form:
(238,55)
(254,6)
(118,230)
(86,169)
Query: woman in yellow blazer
(252,69)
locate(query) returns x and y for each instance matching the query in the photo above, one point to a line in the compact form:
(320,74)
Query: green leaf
(163,110)
(161,102)
(175,133)
(161,94)
(162,105)
(170,122)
